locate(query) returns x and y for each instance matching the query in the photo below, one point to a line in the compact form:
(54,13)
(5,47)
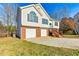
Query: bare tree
(58,14)
(55,14)
(9,15)
(65,12)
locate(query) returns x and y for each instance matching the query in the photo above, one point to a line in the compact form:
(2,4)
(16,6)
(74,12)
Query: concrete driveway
(72,43)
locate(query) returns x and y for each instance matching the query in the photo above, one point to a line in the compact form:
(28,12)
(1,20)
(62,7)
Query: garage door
(30,33)
(43,32)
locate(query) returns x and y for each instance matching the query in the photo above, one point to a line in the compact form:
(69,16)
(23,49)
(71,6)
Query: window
(50,24)
(32,17)
(56,23)
(44,21)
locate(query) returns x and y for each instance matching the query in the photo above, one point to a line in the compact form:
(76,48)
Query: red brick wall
(38,32)
(23,32)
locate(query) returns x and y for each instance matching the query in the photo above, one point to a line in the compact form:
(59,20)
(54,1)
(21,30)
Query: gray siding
(19,24)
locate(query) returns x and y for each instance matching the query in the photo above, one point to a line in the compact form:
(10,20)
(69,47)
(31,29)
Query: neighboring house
(33,21)
(76,20)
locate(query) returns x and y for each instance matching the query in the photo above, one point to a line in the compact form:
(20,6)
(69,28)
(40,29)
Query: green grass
(16,47)
(71,36)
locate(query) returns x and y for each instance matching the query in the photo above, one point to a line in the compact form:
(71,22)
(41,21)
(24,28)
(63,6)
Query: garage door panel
(43,32)
(30,33)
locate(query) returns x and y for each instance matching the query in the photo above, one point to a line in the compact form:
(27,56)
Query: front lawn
(16,47)
(71,36)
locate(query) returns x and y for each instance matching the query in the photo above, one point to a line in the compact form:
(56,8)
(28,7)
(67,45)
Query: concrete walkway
(72,43)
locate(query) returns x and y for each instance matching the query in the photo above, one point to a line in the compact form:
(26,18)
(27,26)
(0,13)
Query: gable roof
(34,5)
(23,7)
(43,10)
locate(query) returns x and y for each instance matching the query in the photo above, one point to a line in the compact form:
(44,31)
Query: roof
(23,7)
(43,9)
(33,5)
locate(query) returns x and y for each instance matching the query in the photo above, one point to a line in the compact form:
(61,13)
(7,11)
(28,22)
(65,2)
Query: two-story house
(34,21)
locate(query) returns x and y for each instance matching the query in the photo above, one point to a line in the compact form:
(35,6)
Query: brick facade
(23,32)
(38,32)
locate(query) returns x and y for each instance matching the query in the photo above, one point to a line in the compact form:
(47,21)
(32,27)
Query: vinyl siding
(25,18)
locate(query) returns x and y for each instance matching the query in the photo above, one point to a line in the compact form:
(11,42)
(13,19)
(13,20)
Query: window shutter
(37,18)
(27,17)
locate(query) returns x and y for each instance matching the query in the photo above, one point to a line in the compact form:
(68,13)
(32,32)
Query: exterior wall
(23,32)
(43,33)
(50,26)
(24,17)
(43,15)
(41,11)
(24,24)
(38,32)
(19,23)
(54,24)
(30,32)
(26,11)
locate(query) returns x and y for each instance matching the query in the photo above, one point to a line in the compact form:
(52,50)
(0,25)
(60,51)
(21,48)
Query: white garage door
(43,32)
(30,33)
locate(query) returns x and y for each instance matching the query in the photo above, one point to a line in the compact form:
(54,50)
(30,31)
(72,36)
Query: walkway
(58,42)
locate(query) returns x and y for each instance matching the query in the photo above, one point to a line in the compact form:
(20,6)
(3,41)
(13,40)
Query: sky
(73,8)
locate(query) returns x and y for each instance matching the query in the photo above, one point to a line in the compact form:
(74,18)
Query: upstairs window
(45,21)
(32,17)
(56,23)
